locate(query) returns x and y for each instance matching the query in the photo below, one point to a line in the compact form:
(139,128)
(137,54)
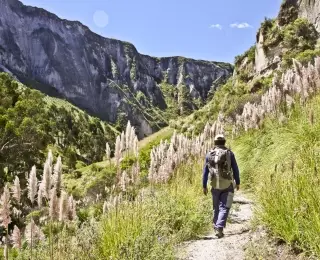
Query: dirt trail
(236,236)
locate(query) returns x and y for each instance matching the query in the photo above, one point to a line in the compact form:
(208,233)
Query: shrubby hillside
(145,197)
(31,122)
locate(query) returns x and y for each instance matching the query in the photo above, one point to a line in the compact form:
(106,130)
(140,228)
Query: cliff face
(310,9)
(270,51)
(98,74)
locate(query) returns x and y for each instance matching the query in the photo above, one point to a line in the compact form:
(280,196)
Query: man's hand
(238,187)
(205,191)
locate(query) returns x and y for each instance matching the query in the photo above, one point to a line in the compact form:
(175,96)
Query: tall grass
(148,227)
(161,217)
(280,163)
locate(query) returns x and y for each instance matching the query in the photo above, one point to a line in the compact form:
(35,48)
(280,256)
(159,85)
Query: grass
(147,228)
(162,134)
(91,180)
(280,163)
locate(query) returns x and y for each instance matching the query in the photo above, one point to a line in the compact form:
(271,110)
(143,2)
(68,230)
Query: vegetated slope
(129,221)
(248,85)
(91,180)
(265,108)
(279,41)
(280,164)
(106,77)
(149,222)
(31,122)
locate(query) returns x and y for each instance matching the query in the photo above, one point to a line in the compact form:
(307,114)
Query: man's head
(219,140)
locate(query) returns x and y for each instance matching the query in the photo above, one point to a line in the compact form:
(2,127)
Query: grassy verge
(146,228)
(150,229)
(280,163)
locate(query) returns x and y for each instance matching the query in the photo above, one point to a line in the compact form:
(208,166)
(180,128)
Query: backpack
(219,164)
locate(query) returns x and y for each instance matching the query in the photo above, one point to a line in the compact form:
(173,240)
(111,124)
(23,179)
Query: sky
(215,30)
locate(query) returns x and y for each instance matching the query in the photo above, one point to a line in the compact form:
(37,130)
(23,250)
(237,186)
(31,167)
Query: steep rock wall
(93,72)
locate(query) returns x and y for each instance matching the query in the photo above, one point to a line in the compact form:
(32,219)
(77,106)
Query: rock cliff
(310,9)
(274,35)
(101,75)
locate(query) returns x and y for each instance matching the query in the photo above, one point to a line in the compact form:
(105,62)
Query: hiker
(223,173)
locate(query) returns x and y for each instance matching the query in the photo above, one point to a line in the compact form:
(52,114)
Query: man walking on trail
(223,173)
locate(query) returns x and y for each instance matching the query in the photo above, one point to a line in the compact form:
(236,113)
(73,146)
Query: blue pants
(222,201)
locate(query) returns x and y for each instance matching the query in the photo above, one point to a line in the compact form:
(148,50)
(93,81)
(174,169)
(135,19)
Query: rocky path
(232,245)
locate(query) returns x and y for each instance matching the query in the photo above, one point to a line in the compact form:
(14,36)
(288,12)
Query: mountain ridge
(92,71)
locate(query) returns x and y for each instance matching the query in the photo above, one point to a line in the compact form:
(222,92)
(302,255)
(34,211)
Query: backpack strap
(229,162)
(229,159)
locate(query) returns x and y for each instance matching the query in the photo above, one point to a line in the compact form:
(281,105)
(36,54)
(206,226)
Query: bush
(266,25)
(300,35)
(243,76)
(127,162)
(236,105)
(250,54)
(307,56)
(262,84)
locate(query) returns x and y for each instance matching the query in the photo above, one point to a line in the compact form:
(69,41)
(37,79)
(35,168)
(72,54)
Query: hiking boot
(219,232)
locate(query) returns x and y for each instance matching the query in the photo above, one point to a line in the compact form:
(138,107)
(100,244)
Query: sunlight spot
(101,18)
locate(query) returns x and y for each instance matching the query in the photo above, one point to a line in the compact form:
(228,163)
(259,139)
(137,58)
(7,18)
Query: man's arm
(205,176)
(235,169)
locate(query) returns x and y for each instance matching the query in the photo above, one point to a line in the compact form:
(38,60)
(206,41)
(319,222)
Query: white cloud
(240,25)
(217,26)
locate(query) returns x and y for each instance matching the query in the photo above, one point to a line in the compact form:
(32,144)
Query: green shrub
(266,25)
(243,76)
(250,54)
(300,35)
(127,162)
(31,122)
(273,38)
(262,84)
(235,106)
(80,164)
(307,56)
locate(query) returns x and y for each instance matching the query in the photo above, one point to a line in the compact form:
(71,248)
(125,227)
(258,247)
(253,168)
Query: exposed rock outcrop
(98,74)
(269,58)
(310,9)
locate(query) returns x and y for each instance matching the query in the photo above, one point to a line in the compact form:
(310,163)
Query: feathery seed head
(50,158)
(32,184)
(72,209)
(16,190)
(58,175)
(63,213)
(108,151)
(5,208)
(105,207)
(33,233)
(53,204)
(122,142)
(40,192)
(46,179)
(118,149)
(16,237)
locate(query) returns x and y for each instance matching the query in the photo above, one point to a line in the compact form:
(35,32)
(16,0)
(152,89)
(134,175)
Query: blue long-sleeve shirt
(234,167)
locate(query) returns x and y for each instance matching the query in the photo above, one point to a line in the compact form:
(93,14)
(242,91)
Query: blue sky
(204,29)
